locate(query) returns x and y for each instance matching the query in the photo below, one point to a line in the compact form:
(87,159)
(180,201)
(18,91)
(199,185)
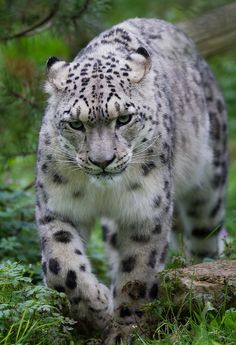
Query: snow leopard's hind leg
(204,208)
(203,218)
(109,229)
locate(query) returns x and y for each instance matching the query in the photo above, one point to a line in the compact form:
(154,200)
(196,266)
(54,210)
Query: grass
(30,314)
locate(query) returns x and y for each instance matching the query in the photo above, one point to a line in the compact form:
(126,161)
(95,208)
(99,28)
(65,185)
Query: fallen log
(211,283)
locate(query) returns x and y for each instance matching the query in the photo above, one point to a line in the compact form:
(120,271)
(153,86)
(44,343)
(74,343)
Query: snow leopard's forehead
(97,89)
(97,86)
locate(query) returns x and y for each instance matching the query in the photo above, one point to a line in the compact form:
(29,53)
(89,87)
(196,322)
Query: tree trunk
(213,32)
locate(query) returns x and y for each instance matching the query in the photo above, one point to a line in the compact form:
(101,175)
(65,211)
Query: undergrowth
(33,314)
(30,314)
(192,322)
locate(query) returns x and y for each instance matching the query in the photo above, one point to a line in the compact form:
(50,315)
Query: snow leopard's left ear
(57,73)
(140,64)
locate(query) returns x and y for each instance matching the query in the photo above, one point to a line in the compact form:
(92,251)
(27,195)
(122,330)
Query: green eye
(123,120)
(76,125)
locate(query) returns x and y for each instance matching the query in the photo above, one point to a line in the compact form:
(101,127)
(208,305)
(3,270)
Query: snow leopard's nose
(102,163)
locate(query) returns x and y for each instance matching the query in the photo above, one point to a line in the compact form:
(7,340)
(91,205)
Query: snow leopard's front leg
(142,255)
(142,246)
(67,269)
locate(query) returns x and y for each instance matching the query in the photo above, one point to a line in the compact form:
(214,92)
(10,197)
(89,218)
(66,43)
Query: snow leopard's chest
(121,199)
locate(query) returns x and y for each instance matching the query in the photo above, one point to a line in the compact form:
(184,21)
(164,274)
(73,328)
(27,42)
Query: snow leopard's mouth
(105,174)
(105,177)
(109,175)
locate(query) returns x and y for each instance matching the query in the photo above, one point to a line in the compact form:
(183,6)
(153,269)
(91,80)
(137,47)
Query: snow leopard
(134,134)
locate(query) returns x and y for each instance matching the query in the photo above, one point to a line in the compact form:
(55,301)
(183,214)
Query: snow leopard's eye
(123,120)
(76,125)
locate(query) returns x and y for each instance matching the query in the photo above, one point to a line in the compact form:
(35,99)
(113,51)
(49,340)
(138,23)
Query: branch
(82,10)
(79,13)
(24,99)
(36,28)
(47,22)
(29,186)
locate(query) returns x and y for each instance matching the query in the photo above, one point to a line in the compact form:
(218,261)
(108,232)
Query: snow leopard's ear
(57,73)
(140,64)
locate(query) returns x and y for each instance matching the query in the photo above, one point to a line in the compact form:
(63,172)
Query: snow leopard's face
(98,116)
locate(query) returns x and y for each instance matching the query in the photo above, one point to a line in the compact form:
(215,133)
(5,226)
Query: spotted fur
(134,132)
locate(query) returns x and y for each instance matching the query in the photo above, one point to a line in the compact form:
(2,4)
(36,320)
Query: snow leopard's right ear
(57,73)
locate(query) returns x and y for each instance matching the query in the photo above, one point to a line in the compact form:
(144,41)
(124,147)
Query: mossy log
(209,283)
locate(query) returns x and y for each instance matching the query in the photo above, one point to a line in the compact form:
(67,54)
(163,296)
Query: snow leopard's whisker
(76,169)
(69,164)
(75,164)
(64,156)
(152,140)
(143,148)
(60,149)
(145,155)
(136,163)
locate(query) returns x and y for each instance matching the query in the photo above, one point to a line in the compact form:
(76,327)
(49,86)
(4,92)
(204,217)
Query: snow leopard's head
(98,110)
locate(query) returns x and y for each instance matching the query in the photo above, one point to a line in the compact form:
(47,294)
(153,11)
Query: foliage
(170,10)
(22,18)
(30,314)
(18,239)
(191,321)
(61,25)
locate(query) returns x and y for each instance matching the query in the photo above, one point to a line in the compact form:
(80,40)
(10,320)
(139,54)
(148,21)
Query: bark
(209,283)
